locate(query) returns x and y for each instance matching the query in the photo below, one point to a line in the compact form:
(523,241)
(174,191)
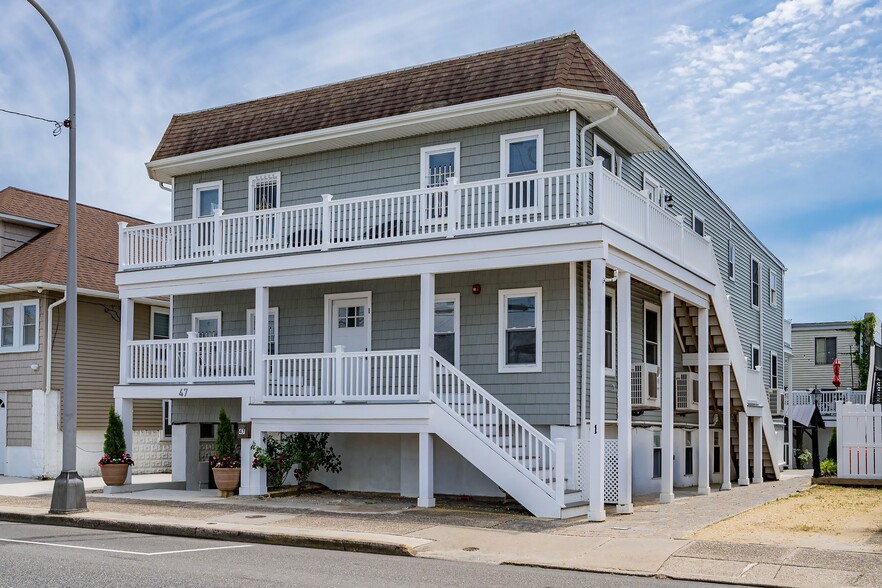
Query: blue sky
(778,105)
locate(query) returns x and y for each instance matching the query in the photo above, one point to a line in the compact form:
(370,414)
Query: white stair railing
(501,428)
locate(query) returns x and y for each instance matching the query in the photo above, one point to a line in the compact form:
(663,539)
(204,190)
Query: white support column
(623,365)
(727,429)
(666,494)
(126,334)
(743,456)
(253,482)
(427,333)
(427,465)
(596,511)
(261,336)
(703,404)
(757,450)
(788,399)
(124,408)
(185,455)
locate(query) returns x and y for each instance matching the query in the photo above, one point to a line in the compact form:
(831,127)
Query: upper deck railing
(557,198)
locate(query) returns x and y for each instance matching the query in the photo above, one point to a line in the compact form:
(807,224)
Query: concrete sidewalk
(654,541)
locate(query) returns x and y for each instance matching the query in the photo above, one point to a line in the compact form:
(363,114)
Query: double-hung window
(773,366)
(825,350)
(447,327)
(263,195)
(520,330)
(651,333)
(438,165)
(272,328)
(755,357)
(208,197)
(159,323)
(521,155)
(730,268)
(19,326)
(166,419)
(773,288)
(755,279)
(611,161)
(698,222)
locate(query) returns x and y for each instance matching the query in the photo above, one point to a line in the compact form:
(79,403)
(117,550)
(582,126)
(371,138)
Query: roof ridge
(93,207)
(565,61)
(379,74)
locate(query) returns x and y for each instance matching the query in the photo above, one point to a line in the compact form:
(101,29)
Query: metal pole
(69,493)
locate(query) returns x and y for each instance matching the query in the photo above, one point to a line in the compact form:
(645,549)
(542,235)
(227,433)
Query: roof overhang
(627,129)
(39,287)
(28,222)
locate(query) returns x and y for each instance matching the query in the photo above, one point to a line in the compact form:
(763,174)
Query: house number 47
(183,392)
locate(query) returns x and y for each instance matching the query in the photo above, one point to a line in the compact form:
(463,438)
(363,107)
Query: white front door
(2,433)
(350,323)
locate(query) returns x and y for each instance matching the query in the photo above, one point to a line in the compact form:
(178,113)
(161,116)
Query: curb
(218,534)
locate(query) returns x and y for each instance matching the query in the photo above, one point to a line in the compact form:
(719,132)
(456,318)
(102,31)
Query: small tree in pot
(115,462)
(225,464)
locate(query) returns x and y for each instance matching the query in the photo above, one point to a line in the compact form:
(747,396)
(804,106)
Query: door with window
(263,198)
(207,199)
(350,326)
(438,165)
(522,156)
(207,325)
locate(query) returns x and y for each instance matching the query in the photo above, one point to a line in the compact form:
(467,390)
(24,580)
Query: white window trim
(196,316)
(657,309)
(504,140)
(773,289)
(197,188)
(18,326)
(425,152)
(773,370)
(154,310)
(456,323)
(166,419)
(616,164)
(503,324)
(759,354)
(329,317)
(277,176)
(652,455)
(271,311)
(656,191)
(688,443)
(698,216)
(732,254)
(759,274)
(611,371)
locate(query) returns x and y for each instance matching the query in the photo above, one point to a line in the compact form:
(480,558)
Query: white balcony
(545,200)
(826,400)
(191,360)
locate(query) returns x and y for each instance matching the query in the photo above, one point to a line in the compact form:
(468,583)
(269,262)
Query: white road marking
(122,550)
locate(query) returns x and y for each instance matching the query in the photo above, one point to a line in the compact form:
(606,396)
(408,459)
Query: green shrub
(309,452)
(831,447)
(828,468)
(805,458)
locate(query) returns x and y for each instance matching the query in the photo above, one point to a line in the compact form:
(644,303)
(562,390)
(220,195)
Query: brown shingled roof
(44,258)
(557,62)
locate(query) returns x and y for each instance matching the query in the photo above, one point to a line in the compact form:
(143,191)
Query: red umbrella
(836,365)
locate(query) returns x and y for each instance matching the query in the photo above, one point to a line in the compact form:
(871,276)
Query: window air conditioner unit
(686,387)
(644,386)
(776,402)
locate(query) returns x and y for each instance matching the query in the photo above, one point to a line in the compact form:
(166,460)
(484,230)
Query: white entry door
(350,326)
(2,433)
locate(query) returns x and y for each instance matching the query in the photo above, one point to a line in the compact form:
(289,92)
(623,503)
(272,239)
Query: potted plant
(116,461)
(225,464)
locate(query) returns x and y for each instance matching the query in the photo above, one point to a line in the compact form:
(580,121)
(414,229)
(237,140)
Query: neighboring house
(482,275)
(33,272)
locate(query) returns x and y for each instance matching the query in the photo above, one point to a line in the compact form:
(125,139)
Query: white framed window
(730,268)
(773,288)
(438,164)
(611,161)
(160,326)
(755,357)
(207,197)
(207,324)
(656,454)
(19,326)
(447,327)
(520,330)
(698,222)
(166,419)
(651,333)
(688,454)
(264,193)
(609,332)
(825,350)
(653,189)
(755,279)
(521,154)
(773,367)
(272,328)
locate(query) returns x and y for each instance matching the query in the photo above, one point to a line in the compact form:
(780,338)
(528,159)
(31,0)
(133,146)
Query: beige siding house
(33,236)
(815,346)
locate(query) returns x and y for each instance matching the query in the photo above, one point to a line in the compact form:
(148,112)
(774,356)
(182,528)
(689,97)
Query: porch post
(743,456)
(253,483)
(788,401)
(623,364)
(666,494)
(261,336)
(727,429)
(703,404)
(427,333)
(185,455)
(597,419)
(597,173)
(126,334)
(757,450)
(191,356)
(124,408)
(427,483)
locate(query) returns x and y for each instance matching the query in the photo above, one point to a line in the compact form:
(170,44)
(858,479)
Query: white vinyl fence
(859,441)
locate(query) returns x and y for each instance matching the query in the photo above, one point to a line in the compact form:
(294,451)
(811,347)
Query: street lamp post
(69,493)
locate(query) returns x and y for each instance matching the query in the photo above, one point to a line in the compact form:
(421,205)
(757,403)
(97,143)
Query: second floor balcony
(584,195)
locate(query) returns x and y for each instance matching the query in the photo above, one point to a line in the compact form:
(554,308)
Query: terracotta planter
(114,474)
(226,479)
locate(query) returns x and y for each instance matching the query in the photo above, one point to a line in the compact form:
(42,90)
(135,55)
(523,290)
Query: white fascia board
(34,286)
(164,170)
(29,222)
(174,391)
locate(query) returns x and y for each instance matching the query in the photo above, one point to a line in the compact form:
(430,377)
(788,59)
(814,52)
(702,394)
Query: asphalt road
(36,555)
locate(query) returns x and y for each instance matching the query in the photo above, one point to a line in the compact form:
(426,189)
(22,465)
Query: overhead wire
(59,125)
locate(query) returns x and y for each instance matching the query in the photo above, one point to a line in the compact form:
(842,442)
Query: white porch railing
(366,376)
(556,198)
(205,359)
(826,399)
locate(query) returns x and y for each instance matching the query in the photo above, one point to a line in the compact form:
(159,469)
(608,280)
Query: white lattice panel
(610,470)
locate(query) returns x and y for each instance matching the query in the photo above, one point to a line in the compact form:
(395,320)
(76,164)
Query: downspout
(49,310)
(590,126)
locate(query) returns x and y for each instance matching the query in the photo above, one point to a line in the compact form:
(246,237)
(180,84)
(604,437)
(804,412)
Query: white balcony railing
(191,360)
(556,198)
(826,399)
